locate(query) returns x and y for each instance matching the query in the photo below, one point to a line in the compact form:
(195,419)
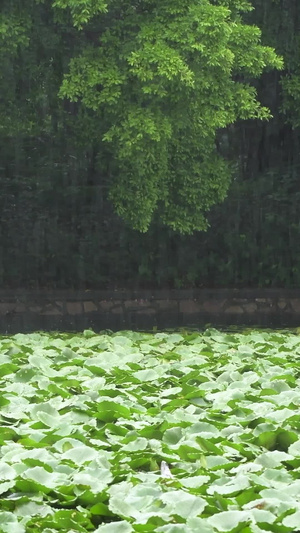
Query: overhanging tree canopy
(157,79)
(162,77)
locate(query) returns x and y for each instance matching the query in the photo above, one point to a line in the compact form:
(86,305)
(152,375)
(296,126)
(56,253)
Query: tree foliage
(162,78)
(152,107)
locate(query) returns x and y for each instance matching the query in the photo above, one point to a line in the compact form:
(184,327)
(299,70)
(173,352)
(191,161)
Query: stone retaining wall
(22,311)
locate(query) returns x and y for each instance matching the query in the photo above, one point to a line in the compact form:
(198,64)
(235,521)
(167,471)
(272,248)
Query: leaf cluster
(150,432)
(163,79)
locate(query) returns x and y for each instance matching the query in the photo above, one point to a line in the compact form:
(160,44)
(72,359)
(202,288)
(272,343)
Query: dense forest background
(60,226)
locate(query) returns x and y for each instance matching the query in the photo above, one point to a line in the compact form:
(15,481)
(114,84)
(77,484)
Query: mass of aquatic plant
(135,432)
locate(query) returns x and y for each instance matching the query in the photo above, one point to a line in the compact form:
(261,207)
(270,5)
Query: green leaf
(199,524)
(194,482)
(80,455)
(172,436)
(9,523)
(227,485)
(228,520)
(204,430)
(7,368)
(33,509)
(43,478)
(115,527)
(183,504)
(88,333)
(6,472)
(138,444)
(146,375)
(110,411)
(292,520)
